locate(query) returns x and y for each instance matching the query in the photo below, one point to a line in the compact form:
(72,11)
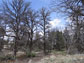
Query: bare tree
(29,28)
(74,10)
(13,16)
(32,26)
(44,22)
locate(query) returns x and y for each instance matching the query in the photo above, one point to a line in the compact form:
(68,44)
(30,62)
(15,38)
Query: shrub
(30,54)
(6,57)
(2,58)
(9,57)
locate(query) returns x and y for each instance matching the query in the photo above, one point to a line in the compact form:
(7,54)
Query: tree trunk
(15,47)
(44,39)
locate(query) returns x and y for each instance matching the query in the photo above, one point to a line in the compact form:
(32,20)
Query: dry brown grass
(78,58)
(55,57)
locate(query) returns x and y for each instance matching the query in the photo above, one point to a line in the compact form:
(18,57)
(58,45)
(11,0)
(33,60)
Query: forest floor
(54,57)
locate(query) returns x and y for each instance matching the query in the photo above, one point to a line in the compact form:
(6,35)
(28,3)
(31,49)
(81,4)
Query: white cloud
(57,23)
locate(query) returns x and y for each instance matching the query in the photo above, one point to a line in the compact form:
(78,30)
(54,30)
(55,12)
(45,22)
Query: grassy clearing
(61,58)
(59,52)
(54,57)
